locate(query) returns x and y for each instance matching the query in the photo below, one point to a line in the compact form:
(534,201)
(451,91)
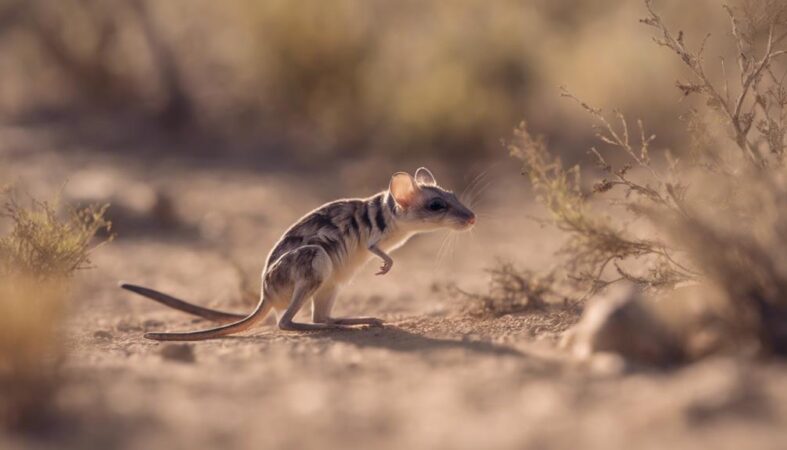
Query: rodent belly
(352,264)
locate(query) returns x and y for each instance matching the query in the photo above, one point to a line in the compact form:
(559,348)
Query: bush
(42,244)
(510,291)
(38,256)
(715,215)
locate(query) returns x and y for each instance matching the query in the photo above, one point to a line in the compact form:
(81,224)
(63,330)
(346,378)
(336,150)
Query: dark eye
(436,205)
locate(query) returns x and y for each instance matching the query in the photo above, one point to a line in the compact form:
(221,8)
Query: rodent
(325,248)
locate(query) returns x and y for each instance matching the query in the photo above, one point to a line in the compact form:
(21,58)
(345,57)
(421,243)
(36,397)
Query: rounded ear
(425,177)
(403,188)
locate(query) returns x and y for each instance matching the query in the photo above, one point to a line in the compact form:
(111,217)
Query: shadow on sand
(398,339)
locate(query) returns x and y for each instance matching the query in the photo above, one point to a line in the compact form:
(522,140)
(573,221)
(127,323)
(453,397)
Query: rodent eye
(436,205)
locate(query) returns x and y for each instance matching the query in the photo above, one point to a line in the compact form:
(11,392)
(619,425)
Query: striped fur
(342,228)
(326,247)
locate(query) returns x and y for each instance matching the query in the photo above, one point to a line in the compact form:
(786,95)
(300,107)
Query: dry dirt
(434,377)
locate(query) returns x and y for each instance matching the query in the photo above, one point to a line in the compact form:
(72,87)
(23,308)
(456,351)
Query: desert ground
(435,376)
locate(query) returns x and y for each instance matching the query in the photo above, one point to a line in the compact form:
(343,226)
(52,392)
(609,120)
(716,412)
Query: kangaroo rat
(325,248)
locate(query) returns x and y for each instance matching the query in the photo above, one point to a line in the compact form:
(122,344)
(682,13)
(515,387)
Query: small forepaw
(385,268)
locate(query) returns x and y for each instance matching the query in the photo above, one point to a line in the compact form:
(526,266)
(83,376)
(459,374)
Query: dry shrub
(38,256)
(44,245)
(511,290)
(716,215)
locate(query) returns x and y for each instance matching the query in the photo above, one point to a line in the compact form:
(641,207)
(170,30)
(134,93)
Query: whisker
(480,191)
(452,245)
(485,175)
(449,249)
(483,213)
(475,180)
(489,220)
(439,254)
(470,192)
(440,251)
(474,240)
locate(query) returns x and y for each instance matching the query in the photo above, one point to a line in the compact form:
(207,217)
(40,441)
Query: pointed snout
(469,221)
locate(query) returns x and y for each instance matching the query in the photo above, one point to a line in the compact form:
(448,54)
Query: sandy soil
(434,377)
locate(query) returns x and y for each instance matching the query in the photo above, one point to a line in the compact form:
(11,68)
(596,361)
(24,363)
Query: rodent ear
(425,177)
(404,189)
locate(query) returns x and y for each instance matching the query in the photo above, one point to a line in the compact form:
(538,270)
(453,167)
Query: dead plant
(38,257)
(716,215)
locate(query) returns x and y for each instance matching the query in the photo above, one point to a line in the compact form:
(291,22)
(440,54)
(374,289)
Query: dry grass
(716,215)
(37,259)
(511,290)
(44,245)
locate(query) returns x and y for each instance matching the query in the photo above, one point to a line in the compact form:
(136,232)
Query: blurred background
(312,81)
(211,126)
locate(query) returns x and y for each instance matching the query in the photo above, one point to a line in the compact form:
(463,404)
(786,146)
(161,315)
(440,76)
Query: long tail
(180,305)
(262,310)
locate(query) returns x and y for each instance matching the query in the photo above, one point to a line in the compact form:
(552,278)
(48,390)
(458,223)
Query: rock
(621,322)
(684,324)
(103,335)
(179,352)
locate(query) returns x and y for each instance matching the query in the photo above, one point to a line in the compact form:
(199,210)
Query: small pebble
(103,335)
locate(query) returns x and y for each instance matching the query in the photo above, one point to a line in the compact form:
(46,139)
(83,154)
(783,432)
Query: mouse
(322,252)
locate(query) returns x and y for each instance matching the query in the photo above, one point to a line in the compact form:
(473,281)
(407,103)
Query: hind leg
(306,269)
(301,294)
(323,304)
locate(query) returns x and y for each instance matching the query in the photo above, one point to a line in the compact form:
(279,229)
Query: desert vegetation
(711,214)
(622,288)
(322,80)
(42,250)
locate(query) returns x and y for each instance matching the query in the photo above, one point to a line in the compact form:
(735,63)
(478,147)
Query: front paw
(385,268)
